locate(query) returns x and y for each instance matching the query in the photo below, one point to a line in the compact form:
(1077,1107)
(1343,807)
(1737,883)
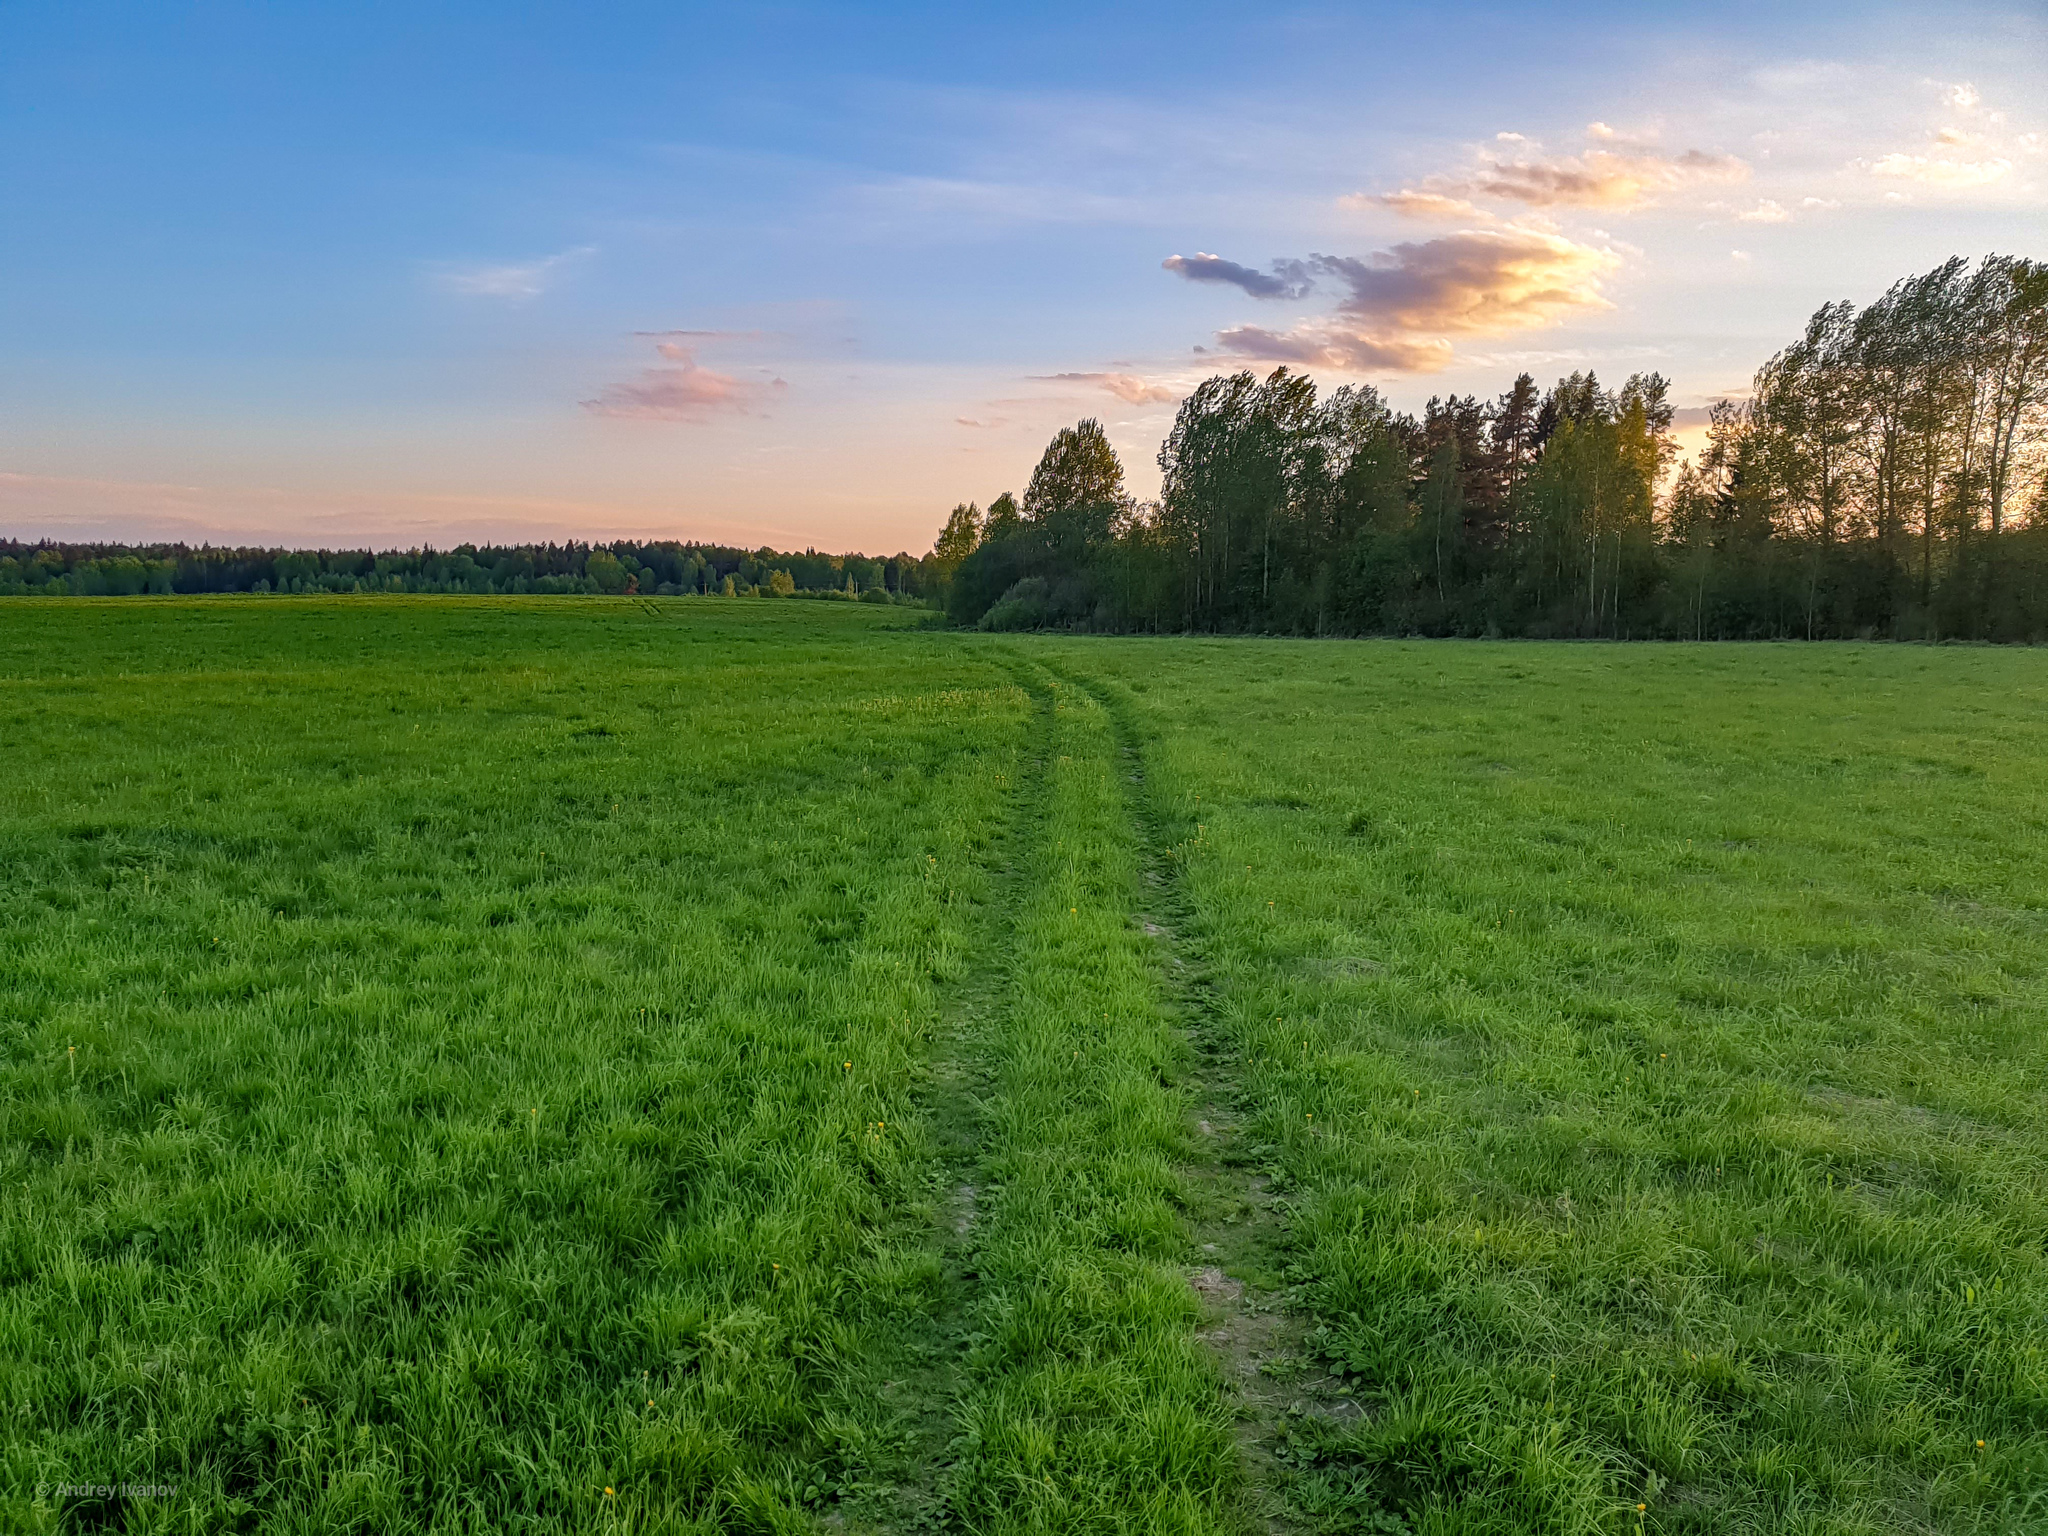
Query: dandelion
(846,1067)
(1980,1445)
(608,1492)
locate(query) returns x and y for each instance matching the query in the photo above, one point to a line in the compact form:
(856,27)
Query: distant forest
(1887,478)
(664,568)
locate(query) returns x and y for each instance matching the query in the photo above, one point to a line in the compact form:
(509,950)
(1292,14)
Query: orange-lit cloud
(1601,178)
(1404,304)
(1476,280)
(1616,175)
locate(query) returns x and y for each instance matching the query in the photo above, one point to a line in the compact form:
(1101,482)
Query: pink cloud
(686,392)
(1128,387)
(1335,345)
(1417,205)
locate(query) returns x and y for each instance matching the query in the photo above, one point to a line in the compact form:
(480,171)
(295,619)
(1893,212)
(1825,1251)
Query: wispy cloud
(512,279)
(1976,148)
(1127,387)
(1417,205)
(980,203)
(1614,173)
(1945,171)
(1287,280)
(1601,178)
(699,336)
(1767,211)
(684,391)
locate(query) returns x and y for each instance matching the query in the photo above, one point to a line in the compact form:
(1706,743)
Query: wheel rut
(1259,1342)
(923,1381)
(922,1378)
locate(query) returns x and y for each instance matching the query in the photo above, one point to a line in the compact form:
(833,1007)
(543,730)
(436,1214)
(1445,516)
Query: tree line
(1884,479)
(664,568)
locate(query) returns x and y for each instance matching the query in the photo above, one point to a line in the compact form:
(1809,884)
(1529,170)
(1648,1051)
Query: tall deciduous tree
(957,540)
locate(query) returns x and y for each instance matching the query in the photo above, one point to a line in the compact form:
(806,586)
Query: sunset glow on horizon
(808,276)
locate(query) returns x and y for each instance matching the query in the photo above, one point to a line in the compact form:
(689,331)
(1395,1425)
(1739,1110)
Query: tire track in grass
(1089,1405)
(1259,1342)
(920,1378)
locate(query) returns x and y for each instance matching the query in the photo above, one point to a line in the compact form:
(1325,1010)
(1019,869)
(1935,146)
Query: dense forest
(1885,478)
(666,568)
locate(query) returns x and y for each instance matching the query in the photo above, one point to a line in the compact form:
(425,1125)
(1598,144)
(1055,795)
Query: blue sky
(810,274)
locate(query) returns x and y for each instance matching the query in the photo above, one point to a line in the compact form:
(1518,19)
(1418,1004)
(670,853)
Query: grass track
(1091,1407)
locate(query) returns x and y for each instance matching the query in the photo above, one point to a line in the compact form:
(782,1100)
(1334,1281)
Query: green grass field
(742,1066)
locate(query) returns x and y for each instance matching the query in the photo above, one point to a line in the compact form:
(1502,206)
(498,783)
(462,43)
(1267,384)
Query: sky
(807,275)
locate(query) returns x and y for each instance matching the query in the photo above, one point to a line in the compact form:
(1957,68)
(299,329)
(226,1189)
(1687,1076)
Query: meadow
(728,1065)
